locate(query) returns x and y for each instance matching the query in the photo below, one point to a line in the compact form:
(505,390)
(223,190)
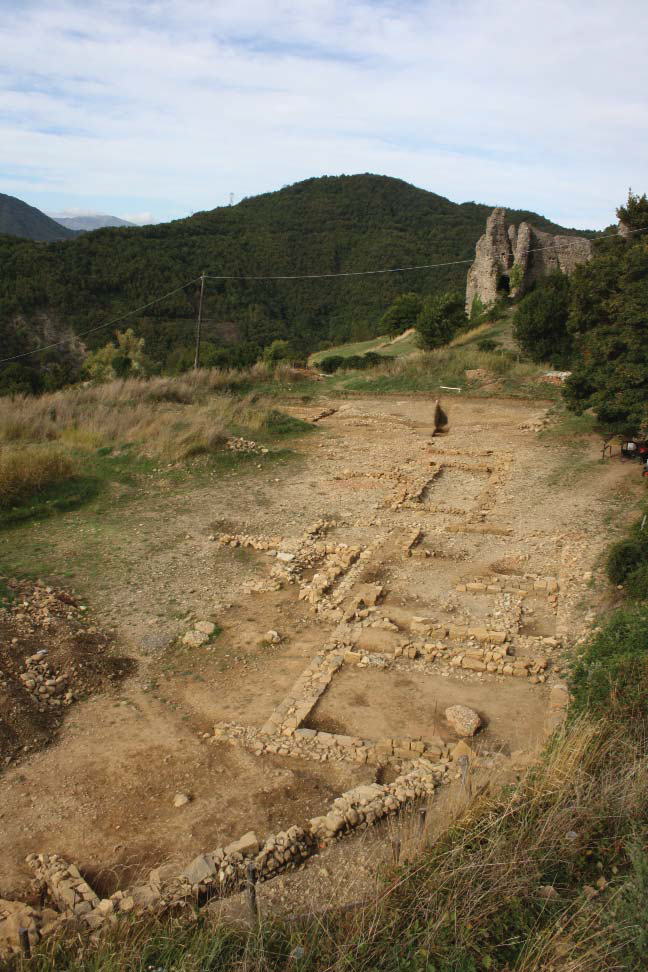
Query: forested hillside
(322,225)
(20,219)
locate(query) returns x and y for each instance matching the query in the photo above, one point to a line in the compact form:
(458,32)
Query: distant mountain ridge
(17,218)
(86,224)
(325,225)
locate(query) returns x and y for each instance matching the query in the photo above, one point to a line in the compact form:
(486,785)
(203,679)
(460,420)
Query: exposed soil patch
(412,705)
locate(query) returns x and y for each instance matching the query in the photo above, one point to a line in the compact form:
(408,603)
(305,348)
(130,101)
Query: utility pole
(199,321)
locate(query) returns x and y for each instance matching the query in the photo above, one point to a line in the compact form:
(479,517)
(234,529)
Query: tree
(401,314)
(609,322)
(440,319)
(124,359)
(540,321)
(278,351)
(634,215)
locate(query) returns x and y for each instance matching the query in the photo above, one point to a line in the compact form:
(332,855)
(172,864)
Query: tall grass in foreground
(474,899)
(172,419)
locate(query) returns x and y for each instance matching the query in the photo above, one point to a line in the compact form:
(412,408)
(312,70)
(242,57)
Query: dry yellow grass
(168,417)
(27,470)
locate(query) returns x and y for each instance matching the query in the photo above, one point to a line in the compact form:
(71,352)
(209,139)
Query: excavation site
(290,675)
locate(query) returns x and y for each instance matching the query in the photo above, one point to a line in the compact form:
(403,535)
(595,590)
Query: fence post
(250,885)
(23,938)
(422,818)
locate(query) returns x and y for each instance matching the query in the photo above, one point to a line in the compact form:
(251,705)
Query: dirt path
(491,500)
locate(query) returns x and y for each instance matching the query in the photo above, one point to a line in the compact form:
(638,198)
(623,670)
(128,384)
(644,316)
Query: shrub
(331,364)
(624,557)
(487,344)
(636,584)
(627,563)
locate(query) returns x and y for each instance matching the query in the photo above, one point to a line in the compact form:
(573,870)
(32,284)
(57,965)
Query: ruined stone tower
(509,260)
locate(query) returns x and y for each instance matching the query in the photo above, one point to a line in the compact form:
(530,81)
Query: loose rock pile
(238,444)
(46,685)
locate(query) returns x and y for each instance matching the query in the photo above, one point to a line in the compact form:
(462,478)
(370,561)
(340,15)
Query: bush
(627,563)
(636,584)
(487,344)
(611,676)
(331,364)
(624,557)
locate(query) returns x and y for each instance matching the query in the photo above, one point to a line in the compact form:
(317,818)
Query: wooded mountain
(19,219)
(322,225)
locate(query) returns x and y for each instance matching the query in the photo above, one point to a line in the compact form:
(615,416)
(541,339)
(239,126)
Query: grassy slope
(384,345)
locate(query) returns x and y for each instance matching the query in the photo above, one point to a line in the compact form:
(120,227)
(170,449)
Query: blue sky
(152,110)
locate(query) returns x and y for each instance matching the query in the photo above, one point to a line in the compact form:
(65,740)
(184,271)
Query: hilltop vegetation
(324,225)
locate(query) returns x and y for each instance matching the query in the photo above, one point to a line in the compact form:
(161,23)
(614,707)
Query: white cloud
(169,105)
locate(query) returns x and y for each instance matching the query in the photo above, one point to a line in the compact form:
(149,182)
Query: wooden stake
(396,849)
(250,885)
(23,938)
(422,816)
(199,321)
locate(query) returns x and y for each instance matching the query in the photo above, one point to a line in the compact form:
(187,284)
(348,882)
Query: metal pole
(199,321)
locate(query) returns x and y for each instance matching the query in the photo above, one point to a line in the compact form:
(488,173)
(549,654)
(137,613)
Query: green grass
(383,345)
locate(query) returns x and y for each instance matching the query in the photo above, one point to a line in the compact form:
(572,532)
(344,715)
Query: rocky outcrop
(509,260)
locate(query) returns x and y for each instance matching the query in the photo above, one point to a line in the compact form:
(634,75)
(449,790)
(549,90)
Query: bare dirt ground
(505,503)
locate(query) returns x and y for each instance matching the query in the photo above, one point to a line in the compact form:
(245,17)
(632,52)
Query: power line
(424,266)
(349,273)
(91,330)
(304,276)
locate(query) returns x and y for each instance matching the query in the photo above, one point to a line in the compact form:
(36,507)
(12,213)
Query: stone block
(202,868)
(245,845)
(473,664)
(464,721)
(305,734)
(345,742)
(403,752)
